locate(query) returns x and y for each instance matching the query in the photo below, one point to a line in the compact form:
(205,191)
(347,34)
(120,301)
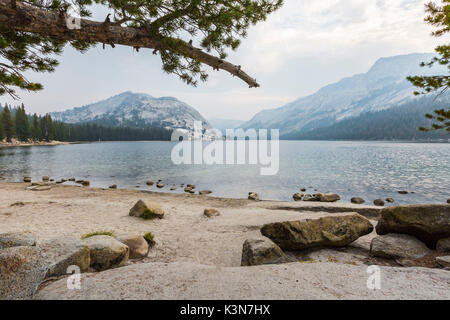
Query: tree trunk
(28,18)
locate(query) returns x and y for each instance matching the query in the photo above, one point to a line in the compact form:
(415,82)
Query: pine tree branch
(27,18)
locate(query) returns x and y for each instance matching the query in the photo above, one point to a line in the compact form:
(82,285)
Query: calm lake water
(365,169)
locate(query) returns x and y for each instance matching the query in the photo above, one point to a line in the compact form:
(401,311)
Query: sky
(302,47)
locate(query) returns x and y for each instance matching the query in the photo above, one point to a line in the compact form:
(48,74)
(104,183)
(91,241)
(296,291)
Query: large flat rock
(22,269)
(289,281)
(427,222)
(331,231)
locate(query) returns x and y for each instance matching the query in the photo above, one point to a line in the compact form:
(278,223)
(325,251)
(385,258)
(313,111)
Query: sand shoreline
(35,144)
(200,248)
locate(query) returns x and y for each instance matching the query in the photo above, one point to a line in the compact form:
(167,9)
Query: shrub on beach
(150,238)
(98,233)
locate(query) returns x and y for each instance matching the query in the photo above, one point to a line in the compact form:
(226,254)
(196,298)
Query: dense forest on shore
(16,124)
(397,123)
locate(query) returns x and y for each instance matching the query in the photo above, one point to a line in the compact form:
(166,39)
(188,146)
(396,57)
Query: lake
(369,170)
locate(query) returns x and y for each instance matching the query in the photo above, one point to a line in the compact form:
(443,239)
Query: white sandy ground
(199,258)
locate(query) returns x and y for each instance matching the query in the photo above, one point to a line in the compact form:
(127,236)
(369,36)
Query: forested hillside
(16,124)
(398,123)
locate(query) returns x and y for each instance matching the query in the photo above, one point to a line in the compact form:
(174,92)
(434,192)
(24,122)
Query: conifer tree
(186,34)
(36,132)
(8,126)
(2,129)
(439,17)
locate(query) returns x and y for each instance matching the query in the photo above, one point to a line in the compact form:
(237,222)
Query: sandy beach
(196,257)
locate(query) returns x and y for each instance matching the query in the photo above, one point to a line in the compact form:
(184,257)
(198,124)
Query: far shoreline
(35,144)
(60,143)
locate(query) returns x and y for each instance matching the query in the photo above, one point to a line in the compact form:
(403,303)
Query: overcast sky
(305,45)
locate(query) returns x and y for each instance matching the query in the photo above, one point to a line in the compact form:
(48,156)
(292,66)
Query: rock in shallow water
(257,252)
(428,223)
(298,196)
(106,252)
(22,269)
(16,239)
(328,197)
(357,200)
(333,231)
(400,247)
(65,252)
(379,202)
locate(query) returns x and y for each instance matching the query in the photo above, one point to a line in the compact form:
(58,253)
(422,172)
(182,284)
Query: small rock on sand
(27,179)
(18,204)
(39,188)
(114,186)
(106,252)
(253,196)
(211,213)
(147,210)
(137,244)
(203,192)
(257,252)
(45,178)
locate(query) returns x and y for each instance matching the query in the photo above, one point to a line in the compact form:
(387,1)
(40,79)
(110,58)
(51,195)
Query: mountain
(396,123)
(135,110)
(383,87)
(224,124)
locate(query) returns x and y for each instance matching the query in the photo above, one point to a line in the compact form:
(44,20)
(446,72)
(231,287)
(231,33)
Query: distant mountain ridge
(384,86)
(135,110)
